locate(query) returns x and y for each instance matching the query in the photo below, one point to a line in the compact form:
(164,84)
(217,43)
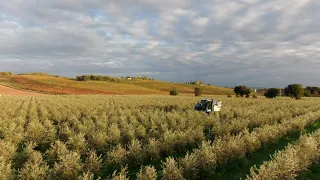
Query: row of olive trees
(290,162)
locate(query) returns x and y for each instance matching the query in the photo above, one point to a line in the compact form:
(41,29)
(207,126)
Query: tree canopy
(173,92)
(314,91)
(294,91)
(307,93)
(271,93)
(241,91)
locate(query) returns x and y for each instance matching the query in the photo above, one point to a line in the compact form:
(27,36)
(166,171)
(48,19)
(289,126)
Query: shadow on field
(313,173)
(237,169)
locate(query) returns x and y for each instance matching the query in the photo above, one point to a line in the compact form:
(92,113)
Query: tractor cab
(208,105)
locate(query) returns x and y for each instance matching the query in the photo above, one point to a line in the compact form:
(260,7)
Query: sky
(260,43)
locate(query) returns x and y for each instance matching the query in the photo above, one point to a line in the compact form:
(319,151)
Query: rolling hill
(61,85)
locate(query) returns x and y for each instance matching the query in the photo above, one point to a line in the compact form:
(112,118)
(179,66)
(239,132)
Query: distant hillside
(62,85)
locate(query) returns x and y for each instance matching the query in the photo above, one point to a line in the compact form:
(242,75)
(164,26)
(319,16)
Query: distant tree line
(293,90)
(6,73)
(92,77)
(312,91)
(194,82)
(27,73)
(97,78)
(137,78)
(36,73)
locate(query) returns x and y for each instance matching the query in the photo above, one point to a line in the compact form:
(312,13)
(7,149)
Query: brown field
(64,86)
(10,91)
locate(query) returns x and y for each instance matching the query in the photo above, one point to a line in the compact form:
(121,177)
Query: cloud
(223,42)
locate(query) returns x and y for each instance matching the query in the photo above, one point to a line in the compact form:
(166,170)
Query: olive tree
(294,91)
(242,91)
(271,93)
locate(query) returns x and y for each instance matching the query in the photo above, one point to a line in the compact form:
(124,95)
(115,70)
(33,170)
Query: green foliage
(294,91)
(254,96)
(69,166)
(141,132)
(6,73)
(271,93)
(135,153)
(122,175)
(197,91)
(147,173)
(93,163)
(242,91)
(195,82)
(31,162)
(117,156)
(97,78)
(77,143)
(58,149)
(34,168)
(315,91)
(36,73)
(5,169)
(113,134)
(307,93)
(190,166)
(174,92)
(7,150)
(153,149)
(137,78)
(39,133)
(87,176)
(315,94)
(205,159)
(171,170)
(87,137)
(288,163)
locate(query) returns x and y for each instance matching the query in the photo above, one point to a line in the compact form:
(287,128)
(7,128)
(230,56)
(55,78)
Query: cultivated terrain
(157,137)
(4,90)
(61,85)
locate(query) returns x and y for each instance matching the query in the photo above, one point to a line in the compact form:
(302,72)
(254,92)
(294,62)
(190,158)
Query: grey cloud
(223,42)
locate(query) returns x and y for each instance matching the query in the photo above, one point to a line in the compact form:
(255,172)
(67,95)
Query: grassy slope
(61,85)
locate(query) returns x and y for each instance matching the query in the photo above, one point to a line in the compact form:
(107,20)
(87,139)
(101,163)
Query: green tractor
(208,105)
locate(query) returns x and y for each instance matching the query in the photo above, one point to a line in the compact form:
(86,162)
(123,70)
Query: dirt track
(9,91)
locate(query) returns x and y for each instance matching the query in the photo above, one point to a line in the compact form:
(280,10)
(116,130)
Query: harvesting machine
(208,105)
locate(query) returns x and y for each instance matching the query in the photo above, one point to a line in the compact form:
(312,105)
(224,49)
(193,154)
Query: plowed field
(10,91)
